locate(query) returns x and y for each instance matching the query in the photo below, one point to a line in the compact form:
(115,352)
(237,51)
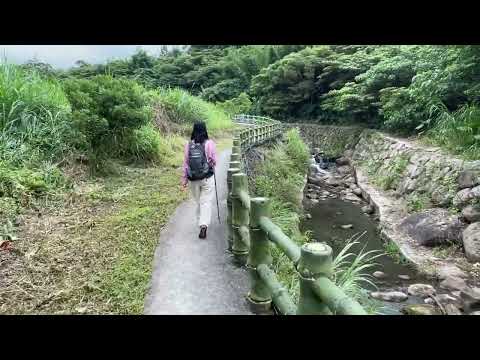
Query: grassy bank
(281,179)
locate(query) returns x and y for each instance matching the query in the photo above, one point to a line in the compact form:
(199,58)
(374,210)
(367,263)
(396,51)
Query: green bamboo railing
(251,233)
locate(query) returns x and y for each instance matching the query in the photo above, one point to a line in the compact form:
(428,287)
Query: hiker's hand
(184,187)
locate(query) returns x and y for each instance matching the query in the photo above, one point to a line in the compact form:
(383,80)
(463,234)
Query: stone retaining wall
(426,177)
(332,140)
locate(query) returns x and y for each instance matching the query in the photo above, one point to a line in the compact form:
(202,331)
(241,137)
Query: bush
(239,105)
(148,145)
(107,110)
(143,144)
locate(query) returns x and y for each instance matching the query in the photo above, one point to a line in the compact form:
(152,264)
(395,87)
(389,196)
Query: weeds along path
(197,276)
(90,252)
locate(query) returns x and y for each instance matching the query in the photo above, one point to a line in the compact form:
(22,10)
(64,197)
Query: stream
(335,219)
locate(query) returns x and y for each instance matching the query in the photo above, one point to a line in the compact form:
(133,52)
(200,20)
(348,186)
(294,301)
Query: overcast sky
(64,56)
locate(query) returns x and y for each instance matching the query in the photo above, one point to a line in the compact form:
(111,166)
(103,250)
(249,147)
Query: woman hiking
(198,168)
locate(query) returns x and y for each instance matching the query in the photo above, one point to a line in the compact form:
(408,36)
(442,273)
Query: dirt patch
(48,262)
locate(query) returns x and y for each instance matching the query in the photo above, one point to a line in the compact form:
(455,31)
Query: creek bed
(327,218)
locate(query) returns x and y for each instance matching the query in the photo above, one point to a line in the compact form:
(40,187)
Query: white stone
(379,275)
(393,296)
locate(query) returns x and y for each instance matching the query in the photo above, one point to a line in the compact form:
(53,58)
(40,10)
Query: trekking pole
(216,194)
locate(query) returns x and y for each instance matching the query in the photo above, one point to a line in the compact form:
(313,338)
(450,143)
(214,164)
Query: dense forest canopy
(406,89)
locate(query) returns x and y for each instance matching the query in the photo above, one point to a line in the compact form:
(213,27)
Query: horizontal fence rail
(251,234)
(252,119)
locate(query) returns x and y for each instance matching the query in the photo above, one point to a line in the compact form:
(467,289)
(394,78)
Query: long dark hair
(199,133)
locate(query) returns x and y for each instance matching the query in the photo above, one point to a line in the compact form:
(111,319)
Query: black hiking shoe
(203,232)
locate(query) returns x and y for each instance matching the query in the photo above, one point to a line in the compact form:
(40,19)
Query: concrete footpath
(197,276)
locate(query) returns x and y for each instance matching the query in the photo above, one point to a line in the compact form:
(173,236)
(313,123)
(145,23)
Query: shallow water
(327,218)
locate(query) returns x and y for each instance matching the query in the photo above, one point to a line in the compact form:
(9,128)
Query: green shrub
(148,145)
(107,110)
(144,144)
(418,202)
(239,105)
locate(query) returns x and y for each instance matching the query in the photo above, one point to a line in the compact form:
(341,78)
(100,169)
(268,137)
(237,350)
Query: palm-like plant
(350,269)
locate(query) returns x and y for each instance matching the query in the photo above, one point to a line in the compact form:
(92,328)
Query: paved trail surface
(197,276)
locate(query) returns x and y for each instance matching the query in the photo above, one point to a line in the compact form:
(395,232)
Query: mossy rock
(420,309)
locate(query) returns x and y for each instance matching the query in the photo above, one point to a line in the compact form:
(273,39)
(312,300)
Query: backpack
(198,167)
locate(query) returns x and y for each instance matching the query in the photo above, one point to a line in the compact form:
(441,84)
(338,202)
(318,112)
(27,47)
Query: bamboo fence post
(260,253)
(315,260)
(230,172)
(240,217)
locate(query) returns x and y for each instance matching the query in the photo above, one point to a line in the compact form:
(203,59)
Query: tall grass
(281,180)
(148,145)
(35,132)
(457,131)
(351,272)
(33,116)
(281,177)
(183,108)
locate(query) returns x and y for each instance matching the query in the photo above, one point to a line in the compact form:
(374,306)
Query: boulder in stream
(332,181)
(432,227)
(468,179)
(344,169)
(471,299)
(420,309)
(446,299)
(453,283)
(422,290)
(357,191)
(451,309)
(342,161)
(352,198)
(471,242)
(471,213)
(449,270)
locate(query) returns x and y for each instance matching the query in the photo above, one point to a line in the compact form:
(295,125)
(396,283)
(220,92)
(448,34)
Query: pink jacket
(210,151)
